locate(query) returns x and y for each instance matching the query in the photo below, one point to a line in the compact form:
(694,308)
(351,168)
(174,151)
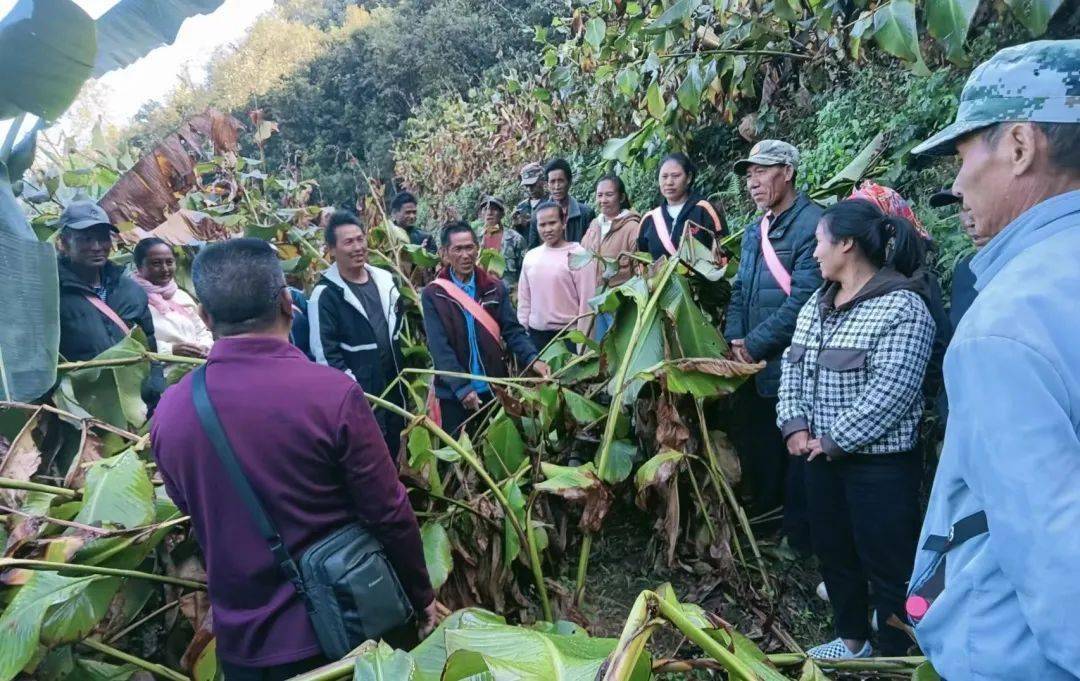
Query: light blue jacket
(1012,449)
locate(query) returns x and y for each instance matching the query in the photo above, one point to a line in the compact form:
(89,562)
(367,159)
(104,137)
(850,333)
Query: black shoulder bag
(349,588)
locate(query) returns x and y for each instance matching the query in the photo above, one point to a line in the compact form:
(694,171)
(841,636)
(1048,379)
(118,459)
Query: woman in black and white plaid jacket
(850,402)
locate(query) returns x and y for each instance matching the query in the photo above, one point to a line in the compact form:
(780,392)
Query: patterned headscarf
(890,203)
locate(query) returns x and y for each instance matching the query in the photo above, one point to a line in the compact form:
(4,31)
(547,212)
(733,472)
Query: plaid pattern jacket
(853,377)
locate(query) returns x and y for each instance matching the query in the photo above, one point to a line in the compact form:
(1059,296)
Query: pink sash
(776,268)
(108,312)
(472,307)
(657,215)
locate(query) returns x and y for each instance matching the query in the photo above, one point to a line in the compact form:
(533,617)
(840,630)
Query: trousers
(279,672)
(864,525)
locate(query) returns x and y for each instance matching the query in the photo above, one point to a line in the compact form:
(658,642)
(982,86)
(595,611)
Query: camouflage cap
(1037,81)
(531,173)
(769,153)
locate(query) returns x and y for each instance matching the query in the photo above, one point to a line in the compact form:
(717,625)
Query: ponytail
(885,240)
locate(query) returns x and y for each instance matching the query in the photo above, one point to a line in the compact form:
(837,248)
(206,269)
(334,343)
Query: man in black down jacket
(761,320)
(85,274)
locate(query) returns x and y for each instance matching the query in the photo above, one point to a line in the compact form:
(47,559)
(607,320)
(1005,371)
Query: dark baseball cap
(84,215)
(945,197)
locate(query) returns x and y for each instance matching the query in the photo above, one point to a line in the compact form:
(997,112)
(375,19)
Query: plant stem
(869,664)
(156,669)
(90,529)
(143,620)
(10,483)
(534,559)
(98,570)
(720,482)
(125,361)
(508,382)
(643,319)
(474,463)
(68,415)
(733,664)
(342,669)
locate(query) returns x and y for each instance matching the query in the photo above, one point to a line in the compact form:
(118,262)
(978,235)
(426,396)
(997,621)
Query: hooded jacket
(448,336)
(620,239)
(760,312)
(649,239)
(578,217)
(1012,450)
(341,334)
(853,374)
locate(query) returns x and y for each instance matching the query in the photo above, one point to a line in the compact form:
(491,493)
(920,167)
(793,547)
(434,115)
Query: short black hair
(548,203)
(337,219)
(454,227)
(238,282)
(559,164)
(401,200)
(143,248)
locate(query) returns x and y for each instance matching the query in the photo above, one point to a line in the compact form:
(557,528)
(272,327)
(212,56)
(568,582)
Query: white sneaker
(838,650)
(822,592)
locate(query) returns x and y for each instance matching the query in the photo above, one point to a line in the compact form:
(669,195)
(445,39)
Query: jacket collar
(110,275)
(1034,225)
(781,222)
(620,221)
(574,209)
(246,347)
(884,282)
(384,282)
(484,281)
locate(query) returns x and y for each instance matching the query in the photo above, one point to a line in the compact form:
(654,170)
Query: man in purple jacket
(308,443)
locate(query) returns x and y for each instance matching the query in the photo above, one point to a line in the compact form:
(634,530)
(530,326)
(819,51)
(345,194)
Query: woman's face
(674,182)
(608,199)
(159,265)
(831,255)
(550,226)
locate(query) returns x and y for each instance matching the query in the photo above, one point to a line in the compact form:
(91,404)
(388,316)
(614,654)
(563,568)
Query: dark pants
(454,414)
(541,338)
(280,672)
(391,426)
(770,476)
(864,523)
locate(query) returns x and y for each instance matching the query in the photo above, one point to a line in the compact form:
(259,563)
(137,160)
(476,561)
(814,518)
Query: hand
(796,443)
(738,348)
(433,614)
(184,349)
(813,448)
(541,369)
(471,401)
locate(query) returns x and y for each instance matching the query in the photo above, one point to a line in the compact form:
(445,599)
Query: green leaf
(437,553)
(654,101)
(384,664)
(689,92)
(113,395)
(788,10)
(628,80)
(694,335)
(118,493)
(896,32)
(594,32)
(511,539)
(561,478)
(206,667)
(1034,14)
(92,670)
(20,624)
(674,16)
(47,47)
(504,450)
(812,672)
(620,461)
(925,672)
(132,28)
(76,616)
(430,655)
(583,410)
(541,94)
(858,167)
(948,22)
(657,469)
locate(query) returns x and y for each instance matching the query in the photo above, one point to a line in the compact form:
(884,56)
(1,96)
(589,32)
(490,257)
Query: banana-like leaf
(20,624)
(430,655)
(948,22)
(112,394)
(47,48)
(1034,14)
(437,555)
(504,450)
(384,664)
(76,616)
(896,32)
(132,28)
(118,494)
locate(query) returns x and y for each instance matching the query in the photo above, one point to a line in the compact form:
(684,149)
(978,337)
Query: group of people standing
(837,302)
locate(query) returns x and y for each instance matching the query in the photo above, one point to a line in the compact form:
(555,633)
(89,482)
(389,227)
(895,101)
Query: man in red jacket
(310,447)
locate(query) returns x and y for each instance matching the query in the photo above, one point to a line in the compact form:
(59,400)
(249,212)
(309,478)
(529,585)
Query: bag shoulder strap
(472,307)
(223,448)
(962,530)
(706,206)
(657,215)
(772,261)
(109,313)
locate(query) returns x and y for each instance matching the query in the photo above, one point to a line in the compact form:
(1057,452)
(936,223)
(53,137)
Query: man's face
(538,189)
(461,253)
(558,184)
(350,247)
(491,215)
(89,247)
(967,223)
(550,226)
(768,185)
(984,180)
(405,217)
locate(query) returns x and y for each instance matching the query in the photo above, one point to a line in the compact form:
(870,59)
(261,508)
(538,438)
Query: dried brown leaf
(21,460)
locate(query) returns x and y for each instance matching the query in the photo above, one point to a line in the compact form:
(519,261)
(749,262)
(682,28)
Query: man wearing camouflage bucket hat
(994,591)
(777,275)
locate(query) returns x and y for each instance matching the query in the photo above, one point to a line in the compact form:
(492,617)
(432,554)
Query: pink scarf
(161,296)
(890,202)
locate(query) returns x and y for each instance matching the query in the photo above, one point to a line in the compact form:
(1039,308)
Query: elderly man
(471,328)
(306,440)
(777,274)
(535,185)
(576,215)
(994,589)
